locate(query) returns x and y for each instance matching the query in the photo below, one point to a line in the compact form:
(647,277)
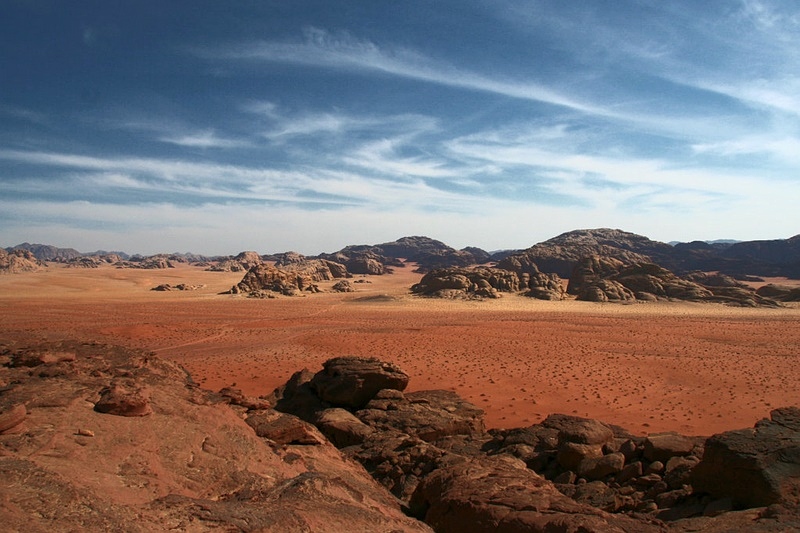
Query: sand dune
(693,368)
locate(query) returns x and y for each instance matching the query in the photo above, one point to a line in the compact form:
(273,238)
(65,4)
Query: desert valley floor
(693,368)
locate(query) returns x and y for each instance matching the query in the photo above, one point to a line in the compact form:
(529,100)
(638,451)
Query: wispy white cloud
(343,51)
(204,139)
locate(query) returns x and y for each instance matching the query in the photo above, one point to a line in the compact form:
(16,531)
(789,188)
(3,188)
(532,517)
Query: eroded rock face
(291,278)
(196,463)
(428,415)
(19,261)
(354,381)
(501,494)
(485,282)
(755,467)
(603,279)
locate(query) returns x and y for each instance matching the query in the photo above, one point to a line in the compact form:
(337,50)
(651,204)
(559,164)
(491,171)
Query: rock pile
(157,453)
(289,279)
(606,279)
(18,261)
(430,449)
(486,282)
(243,262)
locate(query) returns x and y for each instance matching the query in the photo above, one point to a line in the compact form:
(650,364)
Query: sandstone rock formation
(166,287)
(486,282)
(430,449)
(291,278)
(189,459)
(198,462)
(780,293)
(606,279)
(242,262)
(18,261)
(757,467)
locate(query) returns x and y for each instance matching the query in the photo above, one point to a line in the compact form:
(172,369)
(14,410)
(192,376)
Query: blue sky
(216,127)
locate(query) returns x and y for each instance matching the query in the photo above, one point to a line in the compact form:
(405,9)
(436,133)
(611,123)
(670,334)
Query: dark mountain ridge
(559,255)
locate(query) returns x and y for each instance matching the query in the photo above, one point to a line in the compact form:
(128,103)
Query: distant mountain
(560,254)
(748,258)
(46,252)
(426,252)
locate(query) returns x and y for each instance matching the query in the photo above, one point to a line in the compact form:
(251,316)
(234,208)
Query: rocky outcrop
(343,286)
(501,494)
(781,293)
(603,279)
(354,381)
(199,461)
(757,467)
(242,262)
(430,449)
(47,252)
(166,454)
(290,279)
(166,287)
(561,253)
(486,282)
(19,261)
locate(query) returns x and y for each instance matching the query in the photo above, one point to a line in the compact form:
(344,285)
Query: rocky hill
(289,279)
(603,279)
(96,437)
(46,252)
(428,253)
(19,261)
(754,258)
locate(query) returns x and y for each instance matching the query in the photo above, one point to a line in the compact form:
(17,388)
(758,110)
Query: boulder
(282,428)
(343,286)
(500,494)
(124,399)
(755,467)
(579,430)
(662,447)
(354,381)
(427,415)
(342,427)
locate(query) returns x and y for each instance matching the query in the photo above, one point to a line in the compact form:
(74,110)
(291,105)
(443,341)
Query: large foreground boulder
(755,467)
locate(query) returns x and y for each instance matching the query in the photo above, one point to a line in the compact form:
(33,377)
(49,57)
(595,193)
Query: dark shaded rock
(755,467)
(342,427)
(499,494)
(579,430)
(591,269)
(662,447)
(428,415)
(354,381)
(298,398)
(600,467)
(780,293)
(481,282)
(678,471)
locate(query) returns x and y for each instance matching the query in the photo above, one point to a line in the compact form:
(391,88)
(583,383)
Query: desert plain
(694,368)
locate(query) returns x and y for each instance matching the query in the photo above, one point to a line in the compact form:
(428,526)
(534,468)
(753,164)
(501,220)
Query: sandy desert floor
(693,368)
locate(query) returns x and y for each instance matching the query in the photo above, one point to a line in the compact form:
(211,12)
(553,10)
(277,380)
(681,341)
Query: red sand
(693,368)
